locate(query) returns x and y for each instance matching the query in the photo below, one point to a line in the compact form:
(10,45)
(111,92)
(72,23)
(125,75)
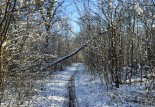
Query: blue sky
(72,12)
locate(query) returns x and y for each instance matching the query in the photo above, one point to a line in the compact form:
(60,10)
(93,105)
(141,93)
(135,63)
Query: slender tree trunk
(1,75)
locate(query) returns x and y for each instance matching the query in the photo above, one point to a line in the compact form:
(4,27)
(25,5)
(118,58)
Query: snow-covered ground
(89,91)
(52,92)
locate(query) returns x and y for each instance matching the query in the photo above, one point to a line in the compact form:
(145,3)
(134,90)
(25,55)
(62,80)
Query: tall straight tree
(7,12)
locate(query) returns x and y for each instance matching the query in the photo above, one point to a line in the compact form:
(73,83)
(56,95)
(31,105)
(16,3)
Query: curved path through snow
(76,88)
(56,91)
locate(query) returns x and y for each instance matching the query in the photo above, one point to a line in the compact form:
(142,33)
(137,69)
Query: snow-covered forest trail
(71,91)
(74,87)
(56,91)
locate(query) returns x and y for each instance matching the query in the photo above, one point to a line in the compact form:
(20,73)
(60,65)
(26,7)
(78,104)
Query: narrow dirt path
(71,91)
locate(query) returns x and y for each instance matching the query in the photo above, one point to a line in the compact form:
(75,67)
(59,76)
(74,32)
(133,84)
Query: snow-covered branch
(72,53)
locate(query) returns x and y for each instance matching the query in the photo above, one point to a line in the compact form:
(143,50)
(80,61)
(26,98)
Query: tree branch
(72,53)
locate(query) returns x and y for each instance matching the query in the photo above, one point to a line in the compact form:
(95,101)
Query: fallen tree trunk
(72,53)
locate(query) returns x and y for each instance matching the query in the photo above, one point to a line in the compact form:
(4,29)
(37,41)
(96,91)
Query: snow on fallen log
(72,53)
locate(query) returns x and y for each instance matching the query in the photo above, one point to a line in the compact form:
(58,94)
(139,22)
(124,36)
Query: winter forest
(77,53)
